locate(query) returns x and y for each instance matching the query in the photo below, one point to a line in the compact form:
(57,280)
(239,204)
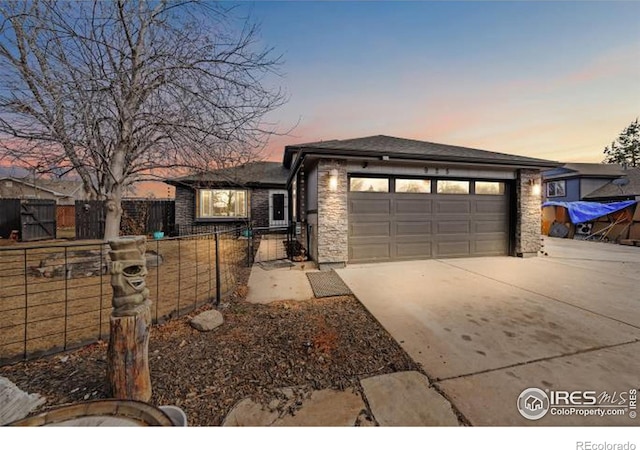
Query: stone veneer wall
(185,206)
(528,224)
(332,215)
(259,201)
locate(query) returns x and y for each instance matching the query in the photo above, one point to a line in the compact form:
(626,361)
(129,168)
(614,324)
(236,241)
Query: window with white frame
(217,203)
(556,188)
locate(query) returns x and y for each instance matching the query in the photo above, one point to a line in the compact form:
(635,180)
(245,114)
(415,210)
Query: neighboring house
(64,192)
(383,198)
(253,193)
(625,187)
(574,181)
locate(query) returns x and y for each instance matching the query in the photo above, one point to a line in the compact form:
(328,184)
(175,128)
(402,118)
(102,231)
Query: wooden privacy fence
(65,216)
(33,219)
(138,217)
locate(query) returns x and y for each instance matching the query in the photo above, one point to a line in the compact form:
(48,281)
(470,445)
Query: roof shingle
(612,190)
(410,148)
(259,173)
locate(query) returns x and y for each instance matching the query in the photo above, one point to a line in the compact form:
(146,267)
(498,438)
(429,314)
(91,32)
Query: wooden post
(128,353)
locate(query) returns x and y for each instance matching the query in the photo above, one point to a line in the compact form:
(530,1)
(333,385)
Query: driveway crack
(546,358)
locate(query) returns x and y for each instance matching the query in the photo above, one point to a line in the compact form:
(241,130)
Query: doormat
(271,265)
(327,284)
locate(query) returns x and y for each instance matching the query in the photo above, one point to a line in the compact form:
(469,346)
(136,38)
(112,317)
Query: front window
(556,189)
(215,203)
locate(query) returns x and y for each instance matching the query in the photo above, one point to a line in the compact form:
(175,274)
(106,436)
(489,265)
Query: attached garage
(431,219)
(381,198)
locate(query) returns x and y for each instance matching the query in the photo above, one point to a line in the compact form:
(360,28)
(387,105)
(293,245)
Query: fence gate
(10,216)
(38,218)
(90,218)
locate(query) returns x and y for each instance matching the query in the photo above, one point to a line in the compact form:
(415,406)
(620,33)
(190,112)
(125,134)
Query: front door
(278,208)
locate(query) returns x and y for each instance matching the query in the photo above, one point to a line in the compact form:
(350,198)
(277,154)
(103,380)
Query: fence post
(217,240)
(248,231)
(67,273)
(26,306)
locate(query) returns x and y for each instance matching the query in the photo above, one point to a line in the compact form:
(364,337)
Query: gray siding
(312,189)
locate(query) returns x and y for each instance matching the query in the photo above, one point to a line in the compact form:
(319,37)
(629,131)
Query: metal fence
(58,296)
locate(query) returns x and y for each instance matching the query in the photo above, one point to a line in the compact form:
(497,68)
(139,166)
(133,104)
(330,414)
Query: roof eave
(533,163)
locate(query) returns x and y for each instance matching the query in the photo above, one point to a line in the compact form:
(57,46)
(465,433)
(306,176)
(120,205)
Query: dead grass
(40,314)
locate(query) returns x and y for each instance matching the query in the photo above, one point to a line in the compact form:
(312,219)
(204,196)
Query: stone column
(333,224)
(529,222)
(130,323)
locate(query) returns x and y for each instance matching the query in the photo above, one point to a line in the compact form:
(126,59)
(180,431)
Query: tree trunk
(128,355)
(113,215)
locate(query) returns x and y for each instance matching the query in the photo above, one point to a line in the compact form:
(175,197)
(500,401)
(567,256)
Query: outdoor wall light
(536,188)
(333,179)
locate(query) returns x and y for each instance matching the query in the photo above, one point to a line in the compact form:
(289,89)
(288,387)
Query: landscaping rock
(16,404)
(248,413)
(77,263)
(153,259)
(327,407)
(405,399)
(207,321)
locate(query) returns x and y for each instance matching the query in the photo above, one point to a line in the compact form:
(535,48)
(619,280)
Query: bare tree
(116,89)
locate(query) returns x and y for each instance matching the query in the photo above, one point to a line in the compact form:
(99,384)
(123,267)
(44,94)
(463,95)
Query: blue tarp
(581,212)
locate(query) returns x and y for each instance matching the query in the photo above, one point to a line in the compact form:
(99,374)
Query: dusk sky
(556,80)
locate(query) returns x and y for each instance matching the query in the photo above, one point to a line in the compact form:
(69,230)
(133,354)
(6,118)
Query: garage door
(430,219)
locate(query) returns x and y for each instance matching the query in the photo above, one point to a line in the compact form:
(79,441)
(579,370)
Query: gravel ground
(314,344)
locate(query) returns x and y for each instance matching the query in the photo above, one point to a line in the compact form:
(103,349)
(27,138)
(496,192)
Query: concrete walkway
(397,399)
(273,280)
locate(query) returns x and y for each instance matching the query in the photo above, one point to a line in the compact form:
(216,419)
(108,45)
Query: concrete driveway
(485,329)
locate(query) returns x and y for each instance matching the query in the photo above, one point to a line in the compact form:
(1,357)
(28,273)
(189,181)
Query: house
(533,403)
(383,198)
(574,181)
(625,187)
(253,193)
(64,192)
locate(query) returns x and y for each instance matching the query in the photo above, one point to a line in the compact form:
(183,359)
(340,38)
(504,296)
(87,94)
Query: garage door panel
(370,206)
(498,206)
(416,228)
(453,227)
(369,252)
(490,226)
(453,248)
(413,206)
(490,247)
(370,229)
(453,206)
(413,250)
